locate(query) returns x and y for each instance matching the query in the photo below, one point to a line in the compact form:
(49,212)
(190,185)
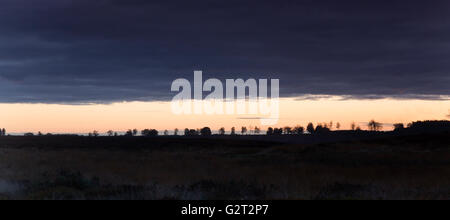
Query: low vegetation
(70,167)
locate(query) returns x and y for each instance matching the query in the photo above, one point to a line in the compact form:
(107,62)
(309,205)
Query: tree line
(320,128)
(206,131)
(244,130)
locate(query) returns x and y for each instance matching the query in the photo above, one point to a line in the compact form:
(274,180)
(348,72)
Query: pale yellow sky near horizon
(55,118)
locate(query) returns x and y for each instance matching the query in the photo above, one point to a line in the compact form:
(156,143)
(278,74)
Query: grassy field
(409,167)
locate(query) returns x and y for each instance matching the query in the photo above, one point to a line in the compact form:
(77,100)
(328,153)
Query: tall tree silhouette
(310,128)
(270,131)
(244,130)
(233,131)
(176,131)
(222,131)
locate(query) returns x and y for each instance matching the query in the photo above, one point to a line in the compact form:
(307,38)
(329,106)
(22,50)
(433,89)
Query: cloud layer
(77,51)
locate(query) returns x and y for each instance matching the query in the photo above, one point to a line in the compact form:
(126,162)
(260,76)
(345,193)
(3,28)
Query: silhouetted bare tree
(176,131)
(166,132)
(338,126)
(374,126)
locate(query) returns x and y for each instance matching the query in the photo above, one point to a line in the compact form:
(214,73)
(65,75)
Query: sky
(120,117)
(123,55)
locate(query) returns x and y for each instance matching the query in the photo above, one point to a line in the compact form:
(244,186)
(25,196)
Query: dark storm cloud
(78,51)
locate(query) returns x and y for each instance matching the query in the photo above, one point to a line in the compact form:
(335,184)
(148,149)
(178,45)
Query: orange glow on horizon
(54,118)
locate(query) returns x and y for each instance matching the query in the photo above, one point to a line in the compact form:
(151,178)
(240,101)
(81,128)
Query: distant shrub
(190,132)
(399,127)
(322,129)
(149,133)
(206,131)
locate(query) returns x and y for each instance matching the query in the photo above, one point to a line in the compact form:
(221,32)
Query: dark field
(382,167)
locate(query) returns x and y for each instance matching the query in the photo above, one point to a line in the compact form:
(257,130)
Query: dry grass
(396,168)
